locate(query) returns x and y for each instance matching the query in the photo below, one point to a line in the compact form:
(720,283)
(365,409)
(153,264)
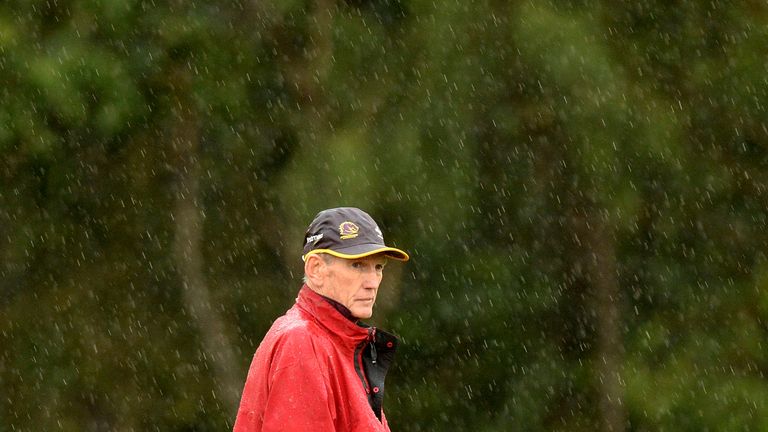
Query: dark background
(582,186)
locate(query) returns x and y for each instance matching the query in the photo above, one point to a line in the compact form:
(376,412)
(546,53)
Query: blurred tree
(582,186)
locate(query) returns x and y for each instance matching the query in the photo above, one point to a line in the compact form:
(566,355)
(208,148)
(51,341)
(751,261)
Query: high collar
(341,308)
(329,317)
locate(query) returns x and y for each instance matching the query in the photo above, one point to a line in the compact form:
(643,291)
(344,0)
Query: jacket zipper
(366,386)
(374,355)
(371,338)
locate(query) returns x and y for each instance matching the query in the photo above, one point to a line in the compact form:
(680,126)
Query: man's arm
(299,401)
(288,392)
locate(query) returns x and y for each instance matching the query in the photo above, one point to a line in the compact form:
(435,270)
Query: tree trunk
(187,249)
(605,287)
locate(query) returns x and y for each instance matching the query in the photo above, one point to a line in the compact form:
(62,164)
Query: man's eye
(357,265)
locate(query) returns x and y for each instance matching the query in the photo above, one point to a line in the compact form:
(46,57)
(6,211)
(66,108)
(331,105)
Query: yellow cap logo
(348,230)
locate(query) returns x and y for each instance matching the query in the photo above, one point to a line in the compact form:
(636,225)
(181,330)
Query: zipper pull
(374,355)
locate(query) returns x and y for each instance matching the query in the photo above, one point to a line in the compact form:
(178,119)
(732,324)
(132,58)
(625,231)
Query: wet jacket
(318,371)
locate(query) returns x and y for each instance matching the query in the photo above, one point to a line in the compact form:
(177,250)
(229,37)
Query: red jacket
(318,371)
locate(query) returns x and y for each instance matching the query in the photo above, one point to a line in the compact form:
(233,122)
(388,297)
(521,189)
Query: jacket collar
(341,308)
(329,317)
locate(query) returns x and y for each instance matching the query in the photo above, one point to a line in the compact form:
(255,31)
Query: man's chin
(362,314)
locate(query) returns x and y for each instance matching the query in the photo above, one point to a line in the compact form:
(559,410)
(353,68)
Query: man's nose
(371,279)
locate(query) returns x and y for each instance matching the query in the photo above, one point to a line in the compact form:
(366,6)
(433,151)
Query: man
(318,368)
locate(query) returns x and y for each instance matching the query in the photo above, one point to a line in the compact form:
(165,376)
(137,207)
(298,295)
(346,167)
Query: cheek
(351,284)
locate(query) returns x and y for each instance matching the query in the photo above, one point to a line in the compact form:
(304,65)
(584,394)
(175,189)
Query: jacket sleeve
(287,388)
(298,400)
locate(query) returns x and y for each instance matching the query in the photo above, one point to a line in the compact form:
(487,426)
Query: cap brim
(361,251)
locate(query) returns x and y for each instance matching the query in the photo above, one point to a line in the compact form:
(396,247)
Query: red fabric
(303,377)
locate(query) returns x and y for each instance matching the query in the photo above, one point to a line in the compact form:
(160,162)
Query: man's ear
(314,269)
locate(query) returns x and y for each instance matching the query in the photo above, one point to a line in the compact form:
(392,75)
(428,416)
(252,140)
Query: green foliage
(530,156)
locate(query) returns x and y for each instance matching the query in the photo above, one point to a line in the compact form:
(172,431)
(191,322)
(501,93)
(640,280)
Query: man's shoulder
(293,339)
(293,328)
(290,324)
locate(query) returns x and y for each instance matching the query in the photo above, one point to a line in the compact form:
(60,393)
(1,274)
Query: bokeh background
(582,185)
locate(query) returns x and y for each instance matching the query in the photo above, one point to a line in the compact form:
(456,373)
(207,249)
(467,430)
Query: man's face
(355,282)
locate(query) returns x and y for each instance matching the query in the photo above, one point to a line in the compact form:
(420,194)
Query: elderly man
(319,368)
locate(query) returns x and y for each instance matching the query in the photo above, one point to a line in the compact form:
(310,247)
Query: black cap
(347,232)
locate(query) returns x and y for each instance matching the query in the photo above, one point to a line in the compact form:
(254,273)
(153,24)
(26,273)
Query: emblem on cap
(348,230)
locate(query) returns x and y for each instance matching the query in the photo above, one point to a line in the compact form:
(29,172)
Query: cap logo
(348,230)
